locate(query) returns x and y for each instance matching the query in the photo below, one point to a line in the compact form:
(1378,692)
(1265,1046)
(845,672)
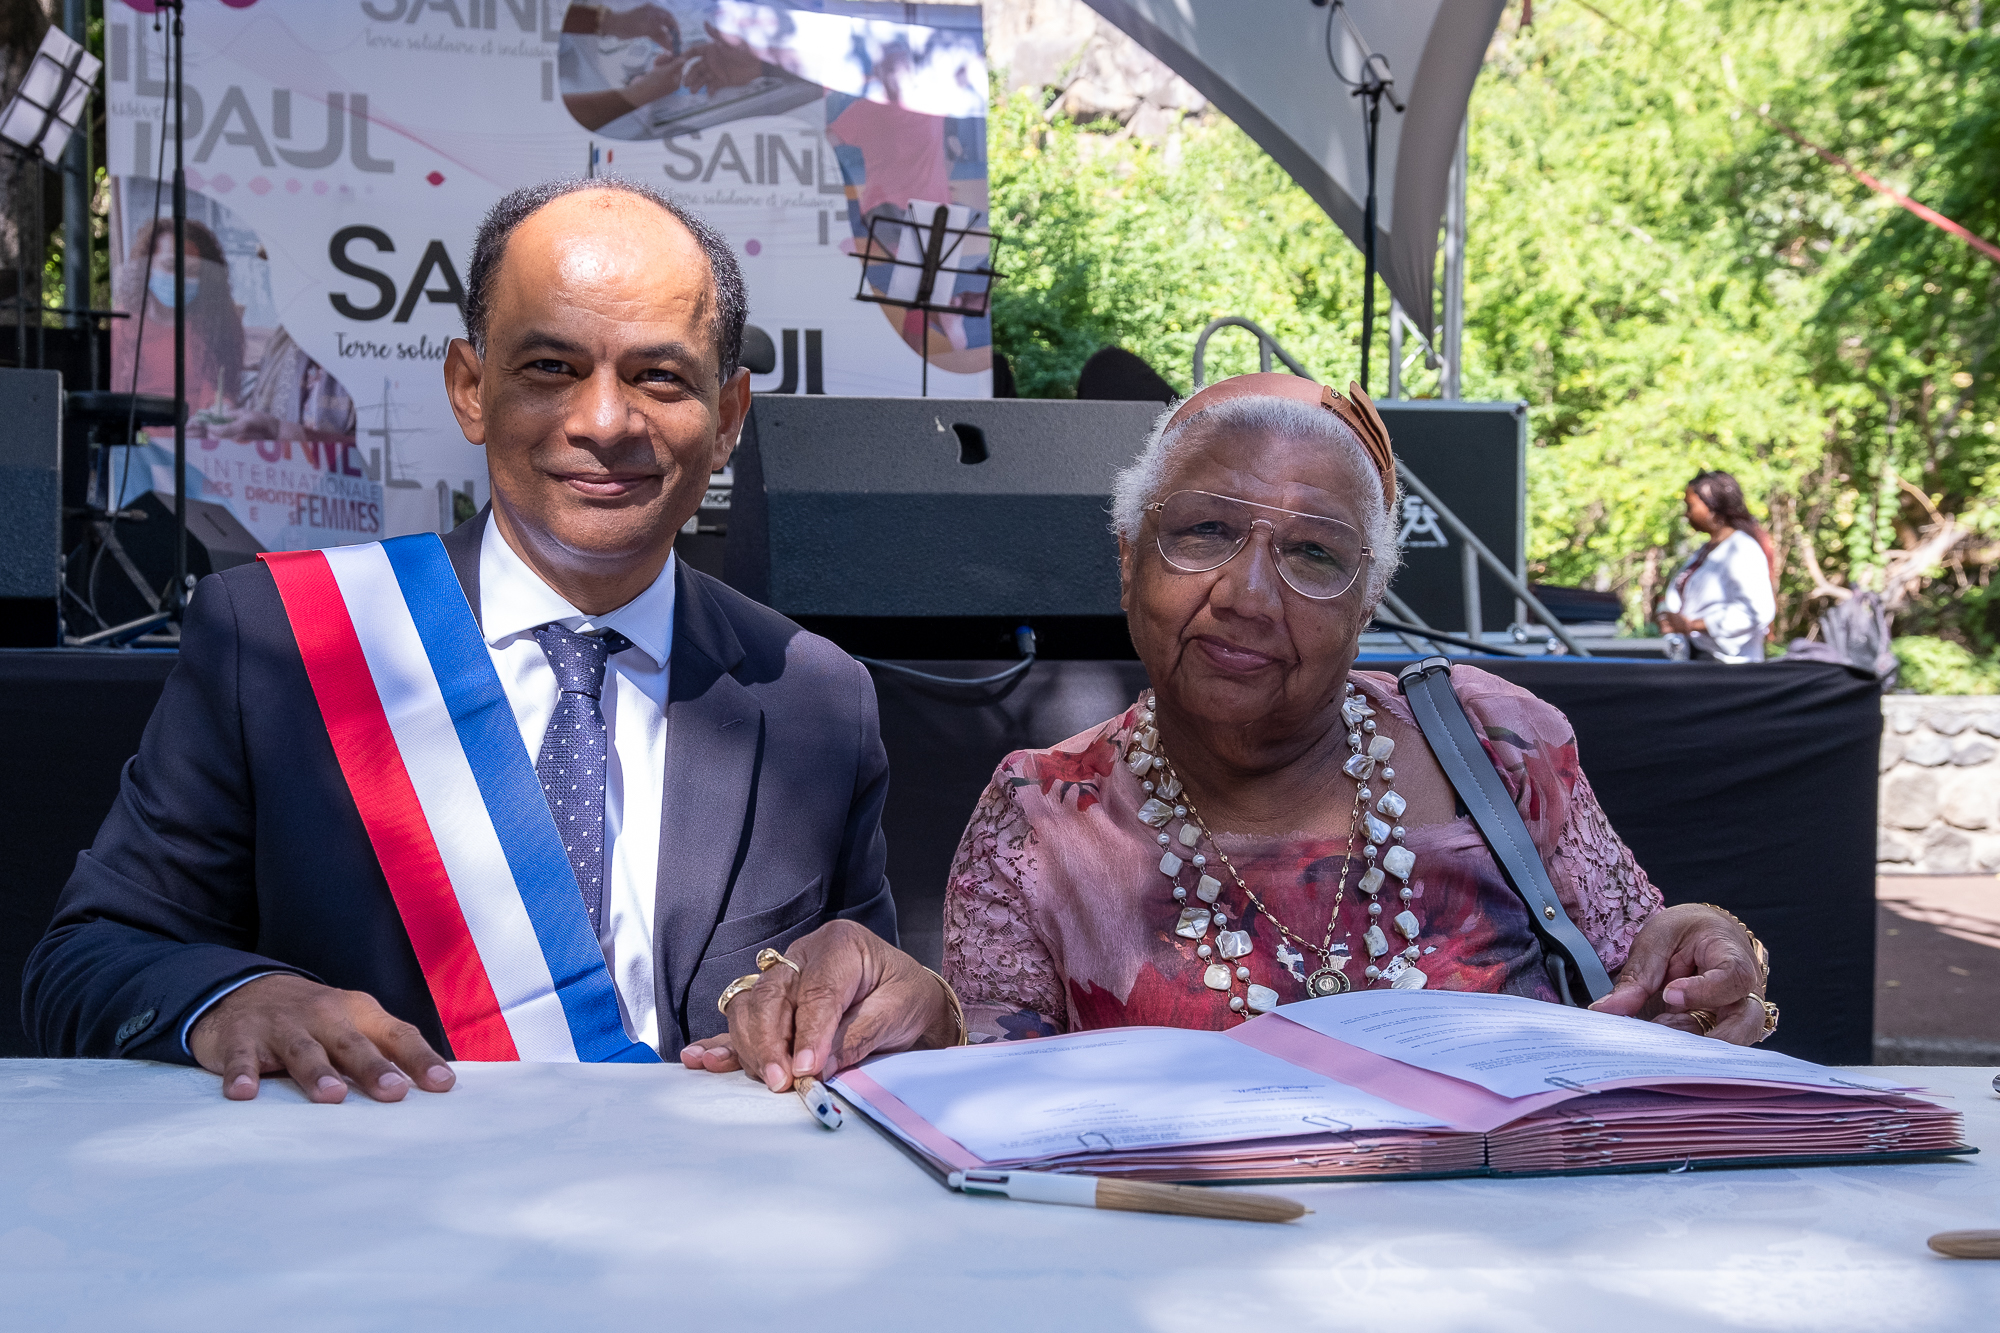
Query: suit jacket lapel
(714,738)
(461,544)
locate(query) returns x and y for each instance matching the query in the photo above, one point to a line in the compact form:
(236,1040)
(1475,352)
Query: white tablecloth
(626,1197)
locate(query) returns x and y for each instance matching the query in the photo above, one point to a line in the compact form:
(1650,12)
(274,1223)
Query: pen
(818,1100)
(1967,1244)
(1136,1196)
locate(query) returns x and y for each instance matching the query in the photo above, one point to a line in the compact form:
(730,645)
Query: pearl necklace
(1165,803)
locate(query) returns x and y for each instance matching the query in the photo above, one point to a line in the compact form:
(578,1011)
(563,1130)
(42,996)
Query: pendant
(1328,981)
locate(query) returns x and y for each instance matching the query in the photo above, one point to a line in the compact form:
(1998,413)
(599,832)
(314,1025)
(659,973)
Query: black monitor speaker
(216,541)
(1474,458)
(920,527)
(931,527)
(31,416)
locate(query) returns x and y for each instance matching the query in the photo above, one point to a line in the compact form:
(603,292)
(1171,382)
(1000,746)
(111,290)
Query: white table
(621,1196)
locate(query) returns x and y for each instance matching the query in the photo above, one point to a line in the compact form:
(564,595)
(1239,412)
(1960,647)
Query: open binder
(1388,1085)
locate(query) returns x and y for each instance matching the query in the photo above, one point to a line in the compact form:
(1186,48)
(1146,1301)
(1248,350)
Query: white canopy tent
(1270,66)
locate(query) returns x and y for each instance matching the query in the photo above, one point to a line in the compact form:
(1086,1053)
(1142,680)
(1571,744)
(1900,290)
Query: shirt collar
(513,600)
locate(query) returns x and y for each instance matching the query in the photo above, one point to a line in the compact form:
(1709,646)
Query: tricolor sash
(433,757)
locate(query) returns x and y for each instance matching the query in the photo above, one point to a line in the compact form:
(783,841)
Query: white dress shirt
(513,603)
(1729,588)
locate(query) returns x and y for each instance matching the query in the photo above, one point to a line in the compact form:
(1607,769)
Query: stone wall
(1940,796)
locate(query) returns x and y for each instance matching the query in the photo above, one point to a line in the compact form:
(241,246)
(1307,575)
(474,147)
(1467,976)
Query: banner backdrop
(340,154)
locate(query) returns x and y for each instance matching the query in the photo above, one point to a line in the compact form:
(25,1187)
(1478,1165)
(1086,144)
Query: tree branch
(1822,586)
(1904,572)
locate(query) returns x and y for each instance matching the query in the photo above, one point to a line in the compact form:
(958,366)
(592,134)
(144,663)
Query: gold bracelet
(1757,949)
(957,1009)
(734,989)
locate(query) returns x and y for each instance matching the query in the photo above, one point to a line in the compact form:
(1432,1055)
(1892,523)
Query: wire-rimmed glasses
(1318,557)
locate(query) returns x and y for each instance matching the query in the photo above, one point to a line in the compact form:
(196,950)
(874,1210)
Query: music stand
(36,125)
(915,256)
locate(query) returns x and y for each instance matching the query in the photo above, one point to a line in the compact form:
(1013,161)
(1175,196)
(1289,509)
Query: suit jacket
(234,847)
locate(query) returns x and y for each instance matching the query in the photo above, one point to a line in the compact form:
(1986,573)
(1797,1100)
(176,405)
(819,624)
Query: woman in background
(1721,598)
(214,324)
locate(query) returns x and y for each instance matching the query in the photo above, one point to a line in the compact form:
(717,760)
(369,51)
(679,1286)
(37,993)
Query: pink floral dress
(1057,917)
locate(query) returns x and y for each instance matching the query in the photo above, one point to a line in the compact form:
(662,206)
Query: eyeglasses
(1318,557)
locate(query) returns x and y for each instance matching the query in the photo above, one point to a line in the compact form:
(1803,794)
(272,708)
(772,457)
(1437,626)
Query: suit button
(133,1026)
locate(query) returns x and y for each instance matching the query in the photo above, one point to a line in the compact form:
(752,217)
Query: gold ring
(734,989)
(1704,1019)
(1770,1017)
(770,958)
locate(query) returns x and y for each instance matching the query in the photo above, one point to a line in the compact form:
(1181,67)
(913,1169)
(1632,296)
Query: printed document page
(1123,1088)
(1518,1047)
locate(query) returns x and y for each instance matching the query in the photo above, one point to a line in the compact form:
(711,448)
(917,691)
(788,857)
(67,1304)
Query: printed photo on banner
(271,433)
(900,105)
(341,153)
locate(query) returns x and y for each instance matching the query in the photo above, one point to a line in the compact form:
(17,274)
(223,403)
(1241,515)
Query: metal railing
(1267,346)
(1475,552)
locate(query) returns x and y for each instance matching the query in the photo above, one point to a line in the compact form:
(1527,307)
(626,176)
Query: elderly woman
(1217,849)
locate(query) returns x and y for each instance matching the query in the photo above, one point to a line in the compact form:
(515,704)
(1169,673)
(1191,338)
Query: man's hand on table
(1687,958)
(854,996)
(283,1024)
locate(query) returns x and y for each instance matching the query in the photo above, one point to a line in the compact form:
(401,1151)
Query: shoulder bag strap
(1572,960)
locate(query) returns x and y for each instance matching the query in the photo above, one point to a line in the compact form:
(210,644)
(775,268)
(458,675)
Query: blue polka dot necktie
(575,751)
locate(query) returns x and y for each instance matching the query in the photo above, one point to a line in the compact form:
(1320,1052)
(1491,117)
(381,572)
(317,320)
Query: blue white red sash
(433,757)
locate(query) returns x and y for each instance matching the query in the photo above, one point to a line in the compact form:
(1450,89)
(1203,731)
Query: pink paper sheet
(947,1150)
(1465,1105)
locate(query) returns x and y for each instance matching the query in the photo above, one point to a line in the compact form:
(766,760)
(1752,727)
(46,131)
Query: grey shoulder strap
(1427,685)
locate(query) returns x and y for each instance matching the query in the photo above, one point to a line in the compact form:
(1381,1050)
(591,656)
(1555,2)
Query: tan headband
(1355,410)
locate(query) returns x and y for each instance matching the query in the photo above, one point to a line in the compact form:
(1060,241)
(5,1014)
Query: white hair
(1140,484)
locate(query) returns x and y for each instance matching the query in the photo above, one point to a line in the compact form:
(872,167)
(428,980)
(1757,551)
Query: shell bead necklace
(1374,831)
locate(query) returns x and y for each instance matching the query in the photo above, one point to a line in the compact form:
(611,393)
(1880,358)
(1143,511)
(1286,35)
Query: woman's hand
(853,996)
(1675,623)
(251,425)
(1688,958)
(720,63)
(649,20)
(662,79)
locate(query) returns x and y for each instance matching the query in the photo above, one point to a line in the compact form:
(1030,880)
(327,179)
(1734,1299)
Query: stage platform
(1749,786)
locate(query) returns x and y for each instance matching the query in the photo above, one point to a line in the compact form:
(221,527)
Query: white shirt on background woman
(1728,587)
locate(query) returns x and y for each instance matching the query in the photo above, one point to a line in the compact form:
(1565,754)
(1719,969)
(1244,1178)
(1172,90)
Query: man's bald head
(728,306)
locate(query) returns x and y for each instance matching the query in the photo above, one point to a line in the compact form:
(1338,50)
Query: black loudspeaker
(932,527)
(911,527)
(216,541)
(31,410)
(1474,458)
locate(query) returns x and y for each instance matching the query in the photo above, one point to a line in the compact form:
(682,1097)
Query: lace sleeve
(1601,885)
(992,957)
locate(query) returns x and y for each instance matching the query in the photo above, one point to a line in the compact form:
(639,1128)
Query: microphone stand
(178,597)
(1374,83)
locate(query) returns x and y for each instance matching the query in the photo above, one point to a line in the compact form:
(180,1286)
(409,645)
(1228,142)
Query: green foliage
(1113,240)
(1669,280)
(1939,666)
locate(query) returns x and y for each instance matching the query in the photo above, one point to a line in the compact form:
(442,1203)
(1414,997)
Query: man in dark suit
(232,911)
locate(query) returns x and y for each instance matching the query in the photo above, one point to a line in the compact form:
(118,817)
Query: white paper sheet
(1123,1088)
(1518,1047)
